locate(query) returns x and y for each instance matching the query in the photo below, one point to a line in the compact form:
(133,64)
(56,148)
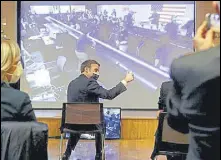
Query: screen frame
(19,3)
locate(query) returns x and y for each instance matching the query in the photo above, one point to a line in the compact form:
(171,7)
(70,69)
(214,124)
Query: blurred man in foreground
(194,103)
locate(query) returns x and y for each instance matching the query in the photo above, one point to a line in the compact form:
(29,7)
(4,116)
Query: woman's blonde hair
(10,53)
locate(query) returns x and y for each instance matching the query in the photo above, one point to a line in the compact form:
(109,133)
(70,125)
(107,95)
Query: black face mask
(95,76)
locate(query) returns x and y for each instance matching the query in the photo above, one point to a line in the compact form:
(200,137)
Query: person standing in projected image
(163,54)
(85,89)
(189,27)
(80,50)
(114,13)
(172,28)
(122,42)
(15,104)
(129,20)
(154,18)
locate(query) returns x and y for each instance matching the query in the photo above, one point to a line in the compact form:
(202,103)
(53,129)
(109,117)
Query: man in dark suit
(164,90)
(85,88)
(194,102)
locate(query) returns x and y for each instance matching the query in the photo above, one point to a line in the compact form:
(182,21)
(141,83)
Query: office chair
(76,115)
(171,142)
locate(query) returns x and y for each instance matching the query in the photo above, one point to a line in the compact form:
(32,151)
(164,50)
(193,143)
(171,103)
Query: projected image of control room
(144,37)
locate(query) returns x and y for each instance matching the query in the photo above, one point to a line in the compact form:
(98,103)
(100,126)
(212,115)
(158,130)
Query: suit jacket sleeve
(187,109)
(176,119)
(160,102)
(95,88)
(196,88)
(27,112)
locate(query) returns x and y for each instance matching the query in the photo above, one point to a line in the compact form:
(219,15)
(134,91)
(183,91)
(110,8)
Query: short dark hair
(88,64)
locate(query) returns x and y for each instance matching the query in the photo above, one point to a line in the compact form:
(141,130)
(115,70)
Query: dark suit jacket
(194,102)
(15,105)
(87,90)
(164,90)
(83,89)
(24,140)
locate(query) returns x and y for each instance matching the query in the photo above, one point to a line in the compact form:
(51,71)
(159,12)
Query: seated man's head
(90,68)
(11,68)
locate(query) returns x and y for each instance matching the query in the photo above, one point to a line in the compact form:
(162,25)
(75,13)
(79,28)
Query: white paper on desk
(35,37)
(46,96)
(47,40)
(45,79)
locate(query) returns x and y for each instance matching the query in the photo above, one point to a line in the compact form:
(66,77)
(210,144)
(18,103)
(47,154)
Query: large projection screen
(143,37)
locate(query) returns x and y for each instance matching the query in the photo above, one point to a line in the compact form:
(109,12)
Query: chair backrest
(170,141)
(82,113)
(172,136)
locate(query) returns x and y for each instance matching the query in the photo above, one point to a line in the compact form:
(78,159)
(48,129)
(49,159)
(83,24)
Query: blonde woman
(15,104)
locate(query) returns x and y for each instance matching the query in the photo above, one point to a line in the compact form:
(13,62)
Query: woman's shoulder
(15,94)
